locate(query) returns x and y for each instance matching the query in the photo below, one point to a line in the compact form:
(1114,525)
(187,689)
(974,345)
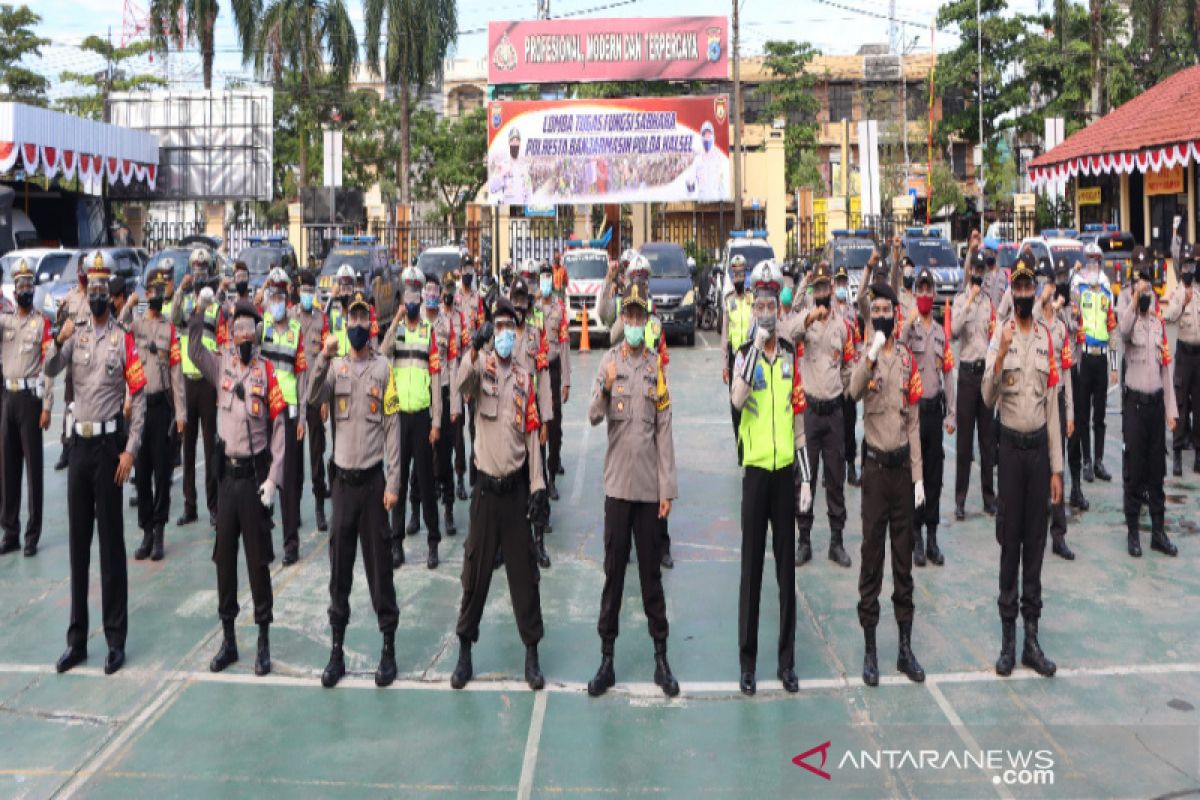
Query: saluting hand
(66,332)
(1006,336)
(330,347)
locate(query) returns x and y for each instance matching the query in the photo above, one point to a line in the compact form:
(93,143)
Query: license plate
(667,316)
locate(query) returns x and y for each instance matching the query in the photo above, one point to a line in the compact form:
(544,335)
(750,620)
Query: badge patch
(620,405)
(255,408)
(341,404)
(374,406)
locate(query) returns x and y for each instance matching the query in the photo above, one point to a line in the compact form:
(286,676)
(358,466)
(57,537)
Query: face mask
(767,323)
(431,301)
(842,293)
(546,285)
(924,305)
(884,325)
(467,280)
(977,280)
(246,351)
(25,299)
(1023,306)
(1062,290)
(786,297)
(1143,303)
(505,340)
(1189,278)
(707,145)
(155,304)
(514,151)
(822,302)
(908,280)
(98,306)
(635,335)
(277,310)
(358,335)
(242,287)
(448,300)
(413,310)
(739,284)
(306,302)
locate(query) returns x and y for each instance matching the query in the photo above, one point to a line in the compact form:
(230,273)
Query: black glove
(481,337)
(539,508)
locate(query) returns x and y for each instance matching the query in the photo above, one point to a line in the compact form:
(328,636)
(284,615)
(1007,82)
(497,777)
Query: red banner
(629,49)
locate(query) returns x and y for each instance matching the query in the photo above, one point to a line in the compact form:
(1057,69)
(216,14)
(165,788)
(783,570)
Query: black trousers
(293,486)
(972,414)
(358,515)
(21,439)
(460,441)
(826,441)
(443,451)
(1058,511)
(241,514)
(94,497)
(1074,449)
(152,478)
(554,427)
(887,512)
(1145,460)
(849,420)
(1187,400)
(933,459)
(416,455)
(767,496)
(1091,400)
(626,522)
(314,434)
(1021,510)
(200,397)
(498,521)
(469,411)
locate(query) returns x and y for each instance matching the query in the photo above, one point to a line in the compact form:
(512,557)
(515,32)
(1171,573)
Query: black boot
(836,552)
(414,522)
(931,548)
(432,560)
(1159,540)
(1101,472)
(228,653)
(461,492)
(1008,647)
(553,490)
(322,523)
(666,560)
(960,511)
(462,670)
(906,660)
(539,544)
(662,670)
(606,676)
(10,544)
(187,517)
(1177,464)
(803,547)
(1088,475)
(336,667)
(1077,499)
(397,552)
(1133,542)
(156,553)
(1060,548)
(448,519)
(533,672)
(1032,655)
(385,673)
(143,551)
(918,557)
(63,458)
(71,657)
(262,658)
(870,658)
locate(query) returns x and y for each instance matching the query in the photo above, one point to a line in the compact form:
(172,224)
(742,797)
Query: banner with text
(631,150)
(628,49)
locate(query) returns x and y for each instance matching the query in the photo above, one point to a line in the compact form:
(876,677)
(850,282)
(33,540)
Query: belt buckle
(87,429)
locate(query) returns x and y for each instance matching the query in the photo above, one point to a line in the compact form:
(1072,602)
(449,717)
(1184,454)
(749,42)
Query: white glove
(876,345)
(919,494)
(206,295)
(805,498)
(266,492)
(760,337)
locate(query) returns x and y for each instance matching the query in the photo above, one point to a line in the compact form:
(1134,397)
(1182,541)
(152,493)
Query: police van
(852,249)
(750,244)
(587,267)
(364,253)
(928,247)
(264,253)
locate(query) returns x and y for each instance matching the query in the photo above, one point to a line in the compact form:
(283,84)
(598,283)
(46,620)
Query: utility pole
(980,178)
(737,123)
(543,11)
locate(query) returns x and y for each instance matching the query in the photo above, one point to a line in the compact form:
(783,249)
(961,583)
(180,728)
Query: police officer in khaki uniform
(314,327)
(972,322)
(929,344)
(103,363)
(1183,308)
(888,382)
(74,307)
(470,304)
(556,327)
(1019,382)
(632,395)
(1147,412)
(367,409)
(1053,302)
(251,425)
(509,487)
(446,333)
(28,398)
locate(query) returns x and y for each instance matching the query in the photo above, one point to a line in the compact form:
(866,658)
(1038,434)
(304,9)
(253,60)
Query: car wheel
(691,339)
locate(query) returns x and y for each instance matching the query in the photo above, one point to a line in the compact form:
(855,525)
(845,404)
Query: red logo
(823,749)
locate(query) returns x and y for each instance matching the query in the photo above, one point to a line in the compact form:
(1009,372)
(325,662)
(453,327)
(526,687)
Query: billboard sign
(630,150)
(628,49)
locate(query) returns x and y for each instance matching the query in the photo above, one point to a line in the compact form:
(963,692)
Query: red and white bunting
(1153,159)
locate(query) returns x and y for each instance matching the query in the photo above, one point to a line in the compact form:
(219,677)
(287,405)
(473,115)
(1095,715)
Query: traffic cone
(584,345)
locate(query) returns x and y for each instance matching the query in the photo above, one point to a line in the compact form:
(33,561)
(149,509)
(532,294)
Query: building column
(1191,193)
(777,192)
(1146,232)
(1126,217)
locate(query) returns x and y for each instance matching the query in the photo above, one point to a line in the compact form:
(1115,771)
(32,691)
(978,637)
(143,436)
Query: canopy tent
(1157,130)
(37,139)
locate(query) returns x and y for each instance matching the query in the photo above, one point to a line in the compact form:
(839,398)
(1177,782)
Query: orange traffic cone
(584,345)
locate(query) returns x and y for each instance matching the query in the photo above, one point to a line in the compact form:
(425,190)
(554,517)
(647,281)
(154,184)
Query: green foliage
(17,40)
(184,20)
(372,142)
(91,105)
(790,96)
(944,190)
(450,163)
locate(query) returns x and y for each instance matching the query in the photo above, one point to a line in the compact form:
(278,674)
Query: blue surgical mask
(277,310)
(505,340)
(843,294)
(635,335)
(306,301)
(413,310)
(546,284)
(786,297)
(431,301)
(358,335)
(708,143)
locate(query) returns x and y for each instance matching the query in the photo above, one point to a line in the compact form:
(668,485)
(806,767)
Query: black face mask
(822,302)
(467,280)
(358,335)
(1189,278)
(739,285)
(413,310)
(155,304)
(98,306)
(976,280)
(25,299)
(884,325)
(514,151)
(908,281)
(1023,306)
(246,351)
(1063,290)
(242,287)
(1143,303)
(448,299)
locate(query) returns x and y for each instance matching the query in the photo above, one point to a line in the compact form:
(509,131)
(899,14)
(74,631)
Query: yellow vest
(766,433)
(739,311)
(209,338)
(281,348)
(410,367)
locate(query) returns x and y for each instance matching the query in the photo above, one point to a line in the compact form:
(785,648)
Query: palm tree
(406,41)
(194,19)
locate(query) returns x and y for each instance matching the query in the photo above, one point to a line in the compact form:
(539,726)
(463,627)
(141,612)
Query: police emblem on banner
(720,108)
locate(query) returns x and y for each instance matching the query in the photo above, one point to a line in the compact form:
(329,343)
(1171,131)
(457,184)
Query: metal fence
(405,241)
(237,237)
(157,235)
(538,238)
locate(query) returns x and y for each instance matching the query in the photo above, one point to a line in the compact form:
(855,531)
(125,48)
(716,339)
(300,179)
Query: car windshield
(1007,257)
(586,266)
(180,257)
(931,253)
(261,260)
(357,257)
(1073,254)
(438,263)
(852,253)
(754,254)
(667,262)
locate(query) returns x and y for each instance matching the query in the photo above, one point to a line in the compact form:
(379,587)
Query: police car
(753,246)
(437,261)
(364,253)
(1117,247)
(928,247)
(586,269)
(1093,231)
(263,253)
(852,249)
(1054,244)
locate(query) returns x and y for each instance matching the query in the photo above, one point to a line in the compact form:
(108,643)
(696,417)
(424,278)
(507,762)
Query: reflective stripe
(280,349)
(766,432)
(739,321)
(1093,308)
(410,367)
(209,338)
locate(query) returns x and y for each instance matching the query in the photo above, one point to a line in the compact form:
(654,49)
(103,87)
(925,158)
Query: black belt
(886,458)
(972,367)
(247,466)
(1024,441)
(501,486)
(1189,348)
(157,399)
(932,403)
(824,407)
(356,477)
(1096,350)
(1145,399)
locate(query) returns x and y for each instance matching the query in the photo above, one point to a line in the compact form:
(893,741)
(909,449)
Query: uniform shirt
(470,303)
(446,335)
(1023,394)
(826,348)
(556,325)
(531,352)
(250,424)
(162,360)
(735,304)
(23,351)
(930,349)
(1148,367)
(1188,316)
(971,325)
(314,327)
(365,405)
(506,417)
(908,310)
(995,284)
(1061,336)
(75,306)
(639,465)
(104,364)
(889,390)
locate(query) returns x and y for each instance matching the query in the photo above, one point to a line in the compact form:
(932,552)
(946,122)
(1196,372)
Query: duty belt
(356,477)
(501,486)
(1144,398)
(933,403)
(824,407)
(1095,350)
(246,466)
(22,384)
(972,367)
(886,458)
(1189,348)
(1024,441)
(90,430)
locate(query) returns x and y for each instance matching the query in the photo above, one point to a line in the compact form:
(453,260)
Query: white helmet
(627,256)
(528,269)
(413,279)
(767,276)
(638,268)
(346,271)
(278,278)
(200,257)
(737,261)
(1093,251)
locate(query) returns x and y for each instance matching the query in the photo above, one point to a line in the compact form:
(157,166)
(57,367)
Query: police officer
(735,327)
(241,288)
(74,306)
(827,347)
(364,393)
(412,348)
(282,343)
(858,323)
(162,360)
(1182,308)
(200,396)
(972,323)
(446,333)
(314,327)
(1019,381)
(463,343)
(888,381)
(555,325)
(509,486)
(632,396)
(104,365)
(929,344)
(1096,370)
(470,305)
(345,280)
(767,387)
(25,413)
(251,423)
(1052,291)
(1147,411)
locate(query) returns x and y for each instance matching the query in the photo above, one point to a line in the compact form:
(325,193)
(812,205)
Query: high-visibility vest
(337,326)
(1093,308)
(739,311)
(766,433)
(410,367)
(280,345)
(208,339)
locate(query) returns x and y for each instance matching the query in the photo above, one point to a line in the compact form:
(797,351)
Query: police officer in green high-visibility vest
(282,343)
(735,327)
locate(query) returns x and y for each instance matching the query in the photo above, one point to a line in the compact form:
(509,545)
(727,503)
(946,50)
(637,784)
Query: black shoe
(448,520)
(336,668)
(228,653)
(432,561)
(787,676)
(290,557)
(803,553)
(71,657)
(115,660)
(1077,499)
(533,672)
(1060,549)
(498,561)
(932,552)
(322,523)
(837,553)
(385,673)
(852,476)
(1133,543)
(156,552)
(539,547)
(133,500)
(397,554)
(1032,655)
(960,513)
(10,544)
(1177,464)
(918,557)
(559,470)
(1102,473)
(188,518)
(31,549)
(414,524)
(1008,647)
(553,490)
(462,670)
(1196,464)
(461,492)
(606,676)
(667,561)
(1088,474)
(748,684)
(662,670)
(212,521)
(143,551)
(262,656)
(906,660)
(1160,542)
(64,459)
(870,674)
(989,507)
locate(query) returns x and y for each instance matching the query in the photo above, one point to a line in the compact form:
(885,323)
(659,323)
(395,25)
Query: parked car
(927,247)
(364,253)
(47,264)
(851,249)
(440,260)
(672,288)
(265,253)
(751,245)
(586,269)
